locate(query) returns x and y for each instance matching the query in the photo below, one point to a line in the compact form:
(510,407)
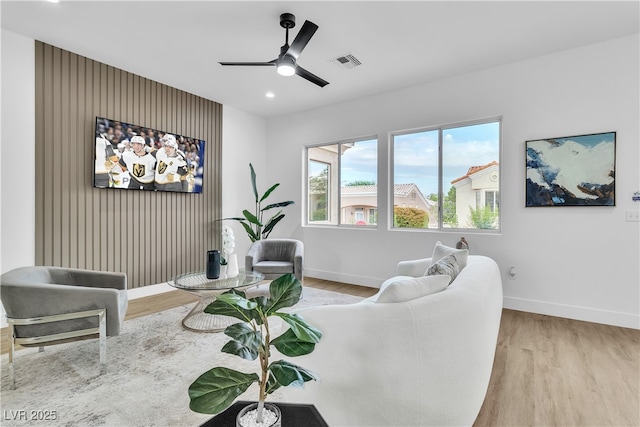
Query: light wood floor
(548,371)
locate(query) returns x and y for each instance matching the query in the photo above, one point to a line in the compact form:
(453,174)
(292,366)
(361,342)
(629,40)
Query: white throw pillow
(440,251)
(412,288)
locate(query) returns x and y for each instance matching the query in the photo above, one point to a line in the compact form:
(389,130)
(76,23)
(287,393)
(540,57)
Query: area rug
(149,369)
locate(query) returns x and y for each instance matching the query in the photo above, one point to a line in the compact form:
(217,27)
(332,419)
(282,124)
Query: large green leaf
(237,349)
(233,305)
(246,341)
(252,234)
(237,300)
(287,374)
(253,182)
(251,217)
(272,223)
(290,345)
(215,390)
(277,205)
(285,291)
(300,327)
(272,384)
(269,191)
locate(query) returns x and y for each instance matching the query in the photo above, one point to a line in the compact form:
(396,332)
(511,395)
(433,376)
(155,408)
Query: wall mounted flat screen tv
(133,157)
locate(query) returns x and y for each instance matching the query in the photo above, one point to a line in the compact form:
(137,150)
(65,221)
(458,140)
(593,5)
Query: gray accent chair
(275,257)
(55,305)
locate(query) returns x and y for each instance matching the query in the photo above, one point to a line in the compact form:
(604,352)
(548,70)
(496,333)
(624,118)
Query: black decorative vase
(213,264)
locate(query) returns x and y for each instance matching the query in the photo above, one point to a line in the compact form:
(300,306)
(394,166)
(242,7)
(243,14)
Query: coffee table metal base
(199,321)
(207,290)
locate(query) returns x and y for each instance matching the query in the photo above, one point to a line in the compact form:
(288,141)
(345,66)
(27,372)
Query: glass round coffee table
(207,289)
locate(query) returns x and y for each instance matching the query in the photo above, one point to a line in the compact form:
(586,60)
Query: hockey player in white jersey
(106,160)
(172,168)
(140,164)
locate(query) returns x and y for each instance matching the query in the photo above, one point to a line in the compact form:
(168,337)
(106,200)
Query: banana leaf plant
(254,223)
(215,390)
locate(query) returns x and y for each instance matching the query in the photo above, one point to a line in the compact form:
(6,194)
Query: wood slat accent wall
(151,236)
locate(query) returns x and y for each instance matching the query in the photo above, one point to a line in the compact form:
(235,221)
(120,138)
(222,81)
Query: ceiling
(399,44)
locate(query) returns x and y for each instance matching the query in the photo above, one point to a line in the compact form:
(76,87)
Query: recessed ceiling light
(53,1)
(270,95)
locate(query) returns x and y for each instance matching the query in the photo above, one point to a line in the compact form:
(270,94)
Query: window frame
(441,129)
(339,221)
(389,178)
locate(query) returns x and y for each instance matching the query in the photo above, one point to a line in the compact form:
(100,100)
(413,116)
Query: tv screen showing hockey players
(133,157)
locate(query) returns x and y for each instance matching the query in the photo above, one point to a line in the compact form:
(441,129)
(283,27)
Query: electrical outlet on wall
(633,215)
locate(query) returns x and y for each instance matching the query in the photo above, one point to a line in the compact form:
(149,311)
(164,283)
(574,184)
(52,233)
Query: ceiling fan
(285,63)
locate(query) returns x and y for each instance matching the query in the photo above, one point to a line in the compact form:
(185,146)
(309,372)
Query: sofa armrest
(413,268)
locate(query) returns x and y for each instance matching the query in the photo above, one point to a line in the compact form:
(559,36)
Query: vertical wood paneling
(150,236)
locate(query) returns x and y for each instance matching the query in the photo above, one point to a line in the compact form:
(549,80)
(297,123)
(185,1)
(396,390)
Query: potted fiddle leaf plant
(254,222)
(215,390)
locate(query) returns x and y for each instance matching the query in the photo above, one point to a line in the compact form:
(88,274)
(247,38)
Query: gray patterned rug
(149,369)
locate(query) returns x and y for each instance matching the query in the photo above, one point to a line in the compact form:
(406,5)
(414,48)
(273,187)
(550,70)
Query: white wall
(244,139)
(576,262)
(17,152)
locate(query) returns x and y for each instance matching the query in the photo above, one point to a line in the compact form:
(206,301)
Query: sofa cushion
(410,288)
(446,266)
(440,251)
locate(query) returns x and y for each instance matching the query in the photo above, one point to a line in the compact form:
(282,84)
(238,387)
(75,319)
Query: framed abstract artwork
(571,171)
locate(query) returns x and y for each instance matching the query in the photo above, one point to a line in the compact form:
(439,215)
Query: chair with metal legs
(55,305)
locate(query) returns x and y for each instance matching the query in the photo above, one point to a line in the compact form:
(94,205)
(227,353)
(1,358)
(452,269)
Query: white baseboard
(624,320)
(146,291)
(352,279)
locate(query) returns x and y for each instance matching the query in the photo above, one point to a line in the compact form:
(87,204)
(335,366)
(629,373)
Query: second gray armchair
(275,257)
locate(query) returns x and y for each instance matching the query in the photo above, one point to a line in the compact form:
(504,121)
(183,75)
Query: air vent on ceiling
(346,61)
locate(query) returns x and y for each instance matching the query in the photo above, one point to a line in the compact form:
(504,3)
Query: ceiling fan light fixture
(286,66)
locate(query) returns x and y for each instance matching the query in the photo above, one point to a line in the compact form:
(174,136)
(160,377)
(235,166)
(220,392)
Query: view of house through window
(443,178)
(461,191)
(342,183)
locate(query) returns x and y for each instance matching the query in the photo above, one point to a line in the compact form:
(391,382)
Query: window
(455,174)
(318,191)
(491,200)
(342,183)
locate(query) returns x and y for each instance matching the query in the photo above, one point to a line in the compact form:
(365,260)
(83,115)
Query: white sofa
(425,361)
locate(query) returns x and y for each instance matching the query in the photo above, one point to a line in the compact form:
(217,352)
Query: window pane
(359,182)
(322,165)
(318,191)
(470,171)
(415,180)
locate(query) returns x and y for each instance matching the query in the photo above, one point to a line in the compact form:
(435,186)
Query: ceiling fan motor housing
(287,20)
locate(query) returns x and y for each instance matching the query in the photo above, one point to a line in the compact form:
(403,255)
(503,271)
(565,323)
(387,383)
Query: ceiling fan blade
(250,64)
(304,35)
(310,76)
